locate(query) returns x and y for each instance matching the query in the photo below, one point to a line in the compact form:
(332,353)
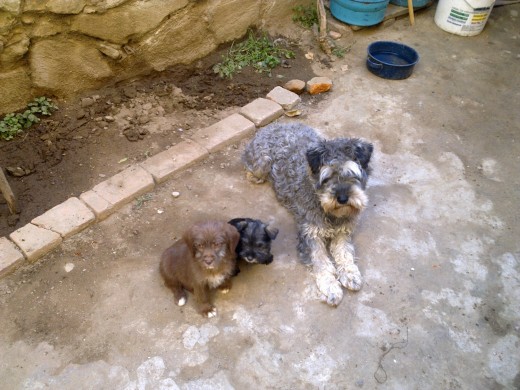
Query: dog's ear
(188,239)
(272,232)
(240,224)
(233,236)
(363,151)
(315,157)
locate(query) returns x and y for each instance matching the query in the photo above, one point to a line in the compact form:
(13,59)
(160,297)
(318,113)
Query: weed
(339,51)
(258,52)
(305,16)
(140,201)
(13,124)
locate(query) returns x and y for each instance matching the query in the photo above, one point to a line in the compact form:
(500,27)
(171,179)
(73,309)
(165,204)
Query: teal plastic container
(359,13)
(404,3)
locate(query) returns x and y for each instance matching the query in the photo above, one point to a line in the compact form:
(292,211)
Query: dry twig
(322,34)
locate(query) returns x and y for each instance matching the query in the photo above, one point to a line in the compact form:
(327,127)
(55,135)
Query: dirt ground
(437,247)
(103,132)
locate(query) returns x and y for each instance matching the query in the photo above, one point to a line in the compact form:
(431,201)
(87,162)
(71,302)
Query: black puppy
(255,240)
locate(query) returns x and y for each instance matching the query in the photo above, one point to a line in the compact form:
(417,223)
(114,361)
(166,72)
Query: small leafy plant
(140,201)
(305,16)
(259,52)
(339,51)
(13,124)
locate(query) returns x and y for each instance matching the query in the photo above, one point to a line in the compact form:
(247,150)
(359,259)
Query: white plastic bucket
(463,17)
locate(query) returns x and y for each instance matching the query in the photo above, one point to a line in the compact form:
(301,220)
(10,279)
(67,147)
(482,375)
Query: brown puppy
(203,260)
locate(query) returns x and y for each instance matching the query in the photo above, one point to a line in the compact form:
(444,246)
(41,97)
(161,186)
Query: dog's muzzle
(256,260)
(342,195)
(250,259)
(342,198)
(208,261)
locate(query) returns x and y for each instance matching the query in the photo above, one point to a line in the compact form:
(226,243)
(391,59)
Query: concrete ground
(438,248)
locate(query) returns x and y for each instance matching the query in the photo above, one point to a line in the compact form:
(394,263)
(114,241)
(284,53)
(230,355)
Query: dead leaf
(292,113)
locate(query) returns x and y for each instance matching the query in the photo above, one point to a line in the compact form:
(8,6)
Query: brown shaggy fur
(203,260)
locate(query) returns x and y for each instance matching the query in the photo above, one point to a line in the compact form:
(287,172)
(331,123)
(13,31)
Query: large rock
(227,24)
(46,27)
(117,25)
(34,5)
(7,22)
(66,6)
(15,48)
(15,89)
(60,65)
(278,14)
(177,41)
(13,6)
(103,5)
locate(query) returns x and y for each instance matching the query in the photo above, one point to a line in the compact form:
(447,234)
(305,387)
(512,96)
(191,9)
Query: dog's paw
(224,290)
(350,278)
(212,313)
(330,289)
(181,301)
(250,176)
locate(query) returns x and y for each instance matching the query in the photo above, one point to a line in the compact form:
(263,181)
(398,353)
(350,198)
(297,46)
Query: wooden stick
(410,12)
(322,39)
(8,193)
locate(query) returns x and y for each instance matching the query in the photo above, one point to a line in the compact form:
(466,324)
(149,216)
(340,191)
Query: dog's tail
(257,169)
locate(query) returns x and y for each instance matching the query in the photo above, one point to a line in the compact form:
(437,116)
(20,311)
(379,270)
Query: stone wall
(63,47)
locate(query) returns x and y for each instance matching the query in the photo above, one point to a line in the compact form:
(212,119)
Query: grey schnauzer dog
(322,182)
(255,240)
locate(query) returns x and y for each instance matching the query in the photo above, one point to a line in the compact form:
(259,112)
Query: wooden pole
(8,193)
(410,12)
(322,34)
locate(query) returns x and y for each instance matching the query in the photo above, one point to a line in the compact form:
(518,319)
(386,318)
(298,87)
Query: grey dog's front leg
(343,252)
(323,268)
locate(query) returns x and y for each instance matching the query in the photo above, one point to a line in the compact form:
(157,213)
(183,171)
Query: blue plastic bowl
(391,60)
(359,13)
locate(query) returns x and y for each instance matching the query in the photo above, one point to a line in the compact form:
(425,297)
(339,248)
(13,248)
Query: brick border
(46,232)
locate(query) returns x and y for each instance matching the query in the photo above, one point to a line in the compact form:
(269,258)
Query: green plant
(140,201)
(339,51)
(259,52)
(305,16)
(14,123)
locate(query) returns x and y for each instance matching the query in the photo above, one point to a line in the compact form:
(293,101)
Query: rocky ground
(98,134)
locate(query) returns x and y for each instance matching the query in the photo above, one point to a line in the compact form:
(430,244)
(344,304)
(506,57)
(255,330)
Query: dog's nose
(342,198)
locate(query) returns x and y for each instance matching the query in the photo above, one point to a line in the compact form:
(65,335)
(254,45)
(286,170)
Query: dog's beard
(357,201)
(257,258)
(216,257)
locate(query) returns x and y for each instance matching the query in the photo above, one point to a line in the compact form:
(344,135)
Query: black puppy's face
(255,240)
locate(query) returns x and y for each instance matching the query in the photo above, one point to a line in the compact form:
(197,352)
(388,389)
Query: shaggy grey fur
(322,183)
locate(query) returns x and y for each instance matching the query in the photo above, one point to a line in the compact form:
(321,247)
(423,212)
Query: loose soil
(97,135)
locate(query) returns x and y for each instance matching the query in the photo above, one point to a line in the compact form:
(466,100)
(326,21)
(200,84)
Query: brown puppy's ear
(233,236)
(188,238)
